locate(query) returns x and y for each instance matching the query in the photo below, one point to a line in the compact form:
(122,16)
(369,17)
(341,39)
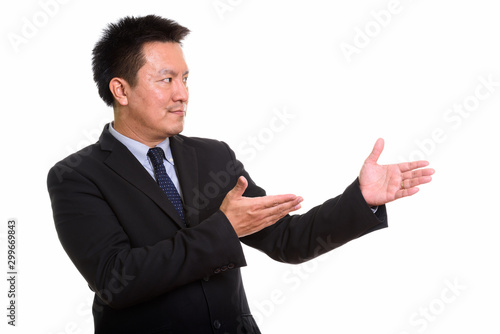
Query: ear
(118,88)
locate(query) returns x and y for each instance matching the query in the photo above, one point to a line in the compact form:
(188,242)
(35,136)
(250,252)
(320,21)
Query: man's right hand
(248,215)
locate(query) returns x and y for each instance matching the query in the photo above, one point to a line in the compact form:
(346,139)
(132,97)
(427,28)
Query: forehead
(159,56)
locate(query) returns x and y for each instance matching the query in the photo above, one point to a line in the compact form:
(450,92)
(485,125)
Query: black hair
(119,51)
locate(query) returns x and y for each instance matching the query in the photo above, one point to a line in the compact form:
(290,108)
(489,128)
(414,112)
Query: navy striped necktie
(156,155)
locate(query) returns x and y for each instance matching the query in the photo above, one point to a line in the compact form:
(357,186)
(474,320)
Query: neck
(131,132)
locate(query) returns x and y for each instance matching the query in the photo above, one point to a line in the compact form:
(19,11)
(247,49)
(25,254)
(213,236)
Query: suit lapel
(186,167)
(126,165)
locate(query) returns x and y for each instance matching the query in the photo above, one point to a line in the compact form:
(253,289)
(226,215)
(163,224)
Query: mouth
(181,111)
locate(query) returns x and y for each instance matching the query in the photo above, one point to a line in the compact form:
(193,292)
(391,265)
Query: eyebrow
(171,72)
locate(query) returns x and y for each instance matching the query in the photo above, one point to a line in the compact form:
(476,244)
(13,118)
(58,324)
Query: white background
(249,60)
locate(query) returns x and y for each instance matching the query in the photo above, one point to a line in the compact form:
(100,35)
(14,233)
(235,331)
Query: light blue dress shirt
(140,152)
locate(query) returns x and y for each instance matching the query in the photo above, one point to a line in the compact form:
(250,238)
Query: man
(153,220)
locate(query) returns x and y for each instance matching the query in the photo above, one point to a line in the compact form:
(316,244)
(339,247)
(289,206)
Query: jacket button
(216,271)
(217,324)
(206,278)
(224,268)
(230,266)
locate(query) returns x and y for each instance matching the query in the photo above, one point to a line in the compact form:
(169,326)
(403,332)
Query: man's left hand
(381,184)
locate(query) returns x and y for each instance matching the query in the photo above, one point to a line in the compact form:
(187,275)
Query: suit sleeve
(298,238)
(122,275)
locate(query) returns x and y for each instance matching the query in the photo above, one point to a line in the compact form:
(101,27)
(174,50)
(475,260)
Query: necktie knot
(156,155)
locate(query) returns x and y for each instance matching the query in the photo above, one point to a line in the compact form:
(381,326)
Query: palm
(381,184)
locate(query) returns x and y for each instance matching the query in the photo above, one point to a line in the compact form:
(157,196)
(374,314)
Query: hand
(381,184)
(248,215)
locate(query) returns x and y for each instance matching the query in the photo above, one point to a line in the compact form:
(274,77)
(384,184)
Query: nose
(181,92)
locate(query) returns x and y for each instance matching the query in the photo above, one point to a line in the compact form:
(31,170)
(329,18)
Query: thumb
(240,186)
(377,150)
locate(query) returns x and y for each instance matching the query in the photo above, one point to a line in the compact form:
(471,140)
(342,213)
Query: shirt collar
(138,149)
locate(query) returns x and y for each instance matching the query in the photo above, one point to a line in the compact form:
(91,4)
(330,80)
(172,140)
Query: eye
(185,79)
(167,80)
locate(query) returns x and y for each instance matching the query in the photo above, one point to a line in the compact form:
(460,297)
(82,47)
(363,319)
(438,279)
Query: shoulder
(198,141)
(202,144)
(85,155)
(83,160)
(91,153)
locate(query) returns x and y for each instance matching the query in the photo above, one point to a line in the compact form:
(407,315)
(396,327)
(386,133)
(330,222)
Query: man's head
(119,51)
(139,69)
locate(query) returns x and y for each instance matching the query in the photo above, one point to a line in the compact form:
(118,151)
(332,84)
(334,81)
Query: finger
(273,204)
(406,192)
(418,173)
(277,212)
(408,166)
(272,200)
(377,150)
(410,183)
(240,187)
(276,200)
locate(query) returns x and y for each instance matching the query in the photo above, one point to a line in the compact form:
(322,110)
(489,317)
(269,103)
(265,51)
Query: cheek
(155,107)
(160,99)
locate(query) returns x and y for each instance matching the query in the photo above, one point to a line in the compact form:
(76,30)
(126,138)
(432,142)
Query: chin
(174,131)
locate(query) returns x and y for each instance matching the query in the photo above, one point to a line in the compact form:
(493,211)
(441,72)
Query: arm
(298,238)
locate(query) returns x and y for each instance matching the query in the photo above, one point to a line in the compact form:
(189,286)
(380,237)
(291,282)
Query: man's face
(157,104)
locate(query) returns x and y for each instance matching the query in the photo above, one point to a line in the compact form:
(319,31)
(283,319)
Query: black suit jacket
(150,274)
